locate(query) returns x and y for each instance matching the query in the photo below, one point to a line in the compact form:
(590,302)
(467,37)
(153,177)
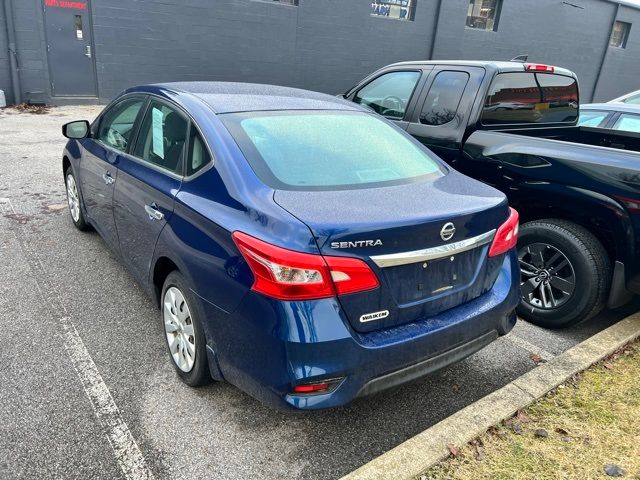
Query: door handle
(153,212)
(108,179)
(87,52)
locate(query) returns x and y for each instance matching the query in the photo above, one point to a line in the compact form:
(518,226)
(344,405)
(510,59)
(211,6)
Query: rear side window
(328,150)
(628,122)
(591,118)
(116,126)
(198,157)
(525,97)
(441,104)
(389,94)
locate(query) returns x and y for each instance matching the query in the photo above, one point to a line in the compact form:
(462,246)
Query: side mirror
(77,129)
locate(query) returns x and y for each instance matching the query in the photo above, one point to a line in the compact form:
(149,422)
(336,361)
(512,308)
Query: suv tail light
(536,67)
(289,275)
(506,236)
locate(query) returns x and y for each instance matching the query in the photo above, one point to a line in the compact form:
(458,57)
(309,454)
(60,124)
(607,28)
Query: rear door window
(628,122)
(162,137)
(389,94)
(525,97)
(592,118)
(443,99)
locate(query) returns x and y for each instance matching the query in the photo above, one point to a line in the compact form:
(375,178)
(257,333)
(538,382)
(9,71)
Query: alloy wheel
(72,198)
(178,327)
(548,279)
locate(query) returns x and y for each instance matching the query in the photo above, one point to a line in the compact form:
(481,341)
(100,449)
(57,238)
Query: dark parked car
(513,126)
(614,116)
(298,245)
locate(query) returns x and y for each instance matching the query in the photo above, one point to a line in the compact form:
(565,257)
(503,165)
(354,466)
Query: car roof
(612,107)
(499,66)
(625,96)
(227,97)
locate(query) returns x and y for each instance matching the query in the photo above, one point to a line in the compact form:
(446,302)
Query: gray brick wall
(621,69)
(324,45)
(31,47)
(5,79)
(549,31)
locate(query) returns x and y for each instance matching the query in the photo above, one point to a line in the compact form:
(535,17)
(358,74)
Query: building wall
(31,48)
(324,45)
(621,68)
(5,78)
(549,31)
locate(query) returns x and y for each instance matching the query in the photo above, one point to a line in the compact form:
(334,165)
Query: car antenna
(520,58)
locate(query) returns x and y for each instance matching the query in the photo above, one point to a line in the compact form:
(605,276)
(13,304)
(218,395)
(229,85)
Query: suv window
(198,156)
(524,97)
(389,94)
(162,137)
(441,104)
(628,122)
(116,125)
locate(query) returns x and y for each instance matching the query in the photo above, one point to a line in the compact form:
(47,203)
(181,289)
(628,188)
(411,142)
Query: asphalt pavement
(86,387)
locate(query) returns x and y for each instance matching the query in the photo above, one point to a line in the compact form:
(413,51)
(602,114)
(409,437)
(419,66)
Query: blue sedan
(298,245)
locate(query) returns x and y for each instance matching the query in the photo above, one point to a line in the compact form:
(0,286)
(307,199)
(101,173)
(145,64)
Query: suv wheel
(566,273)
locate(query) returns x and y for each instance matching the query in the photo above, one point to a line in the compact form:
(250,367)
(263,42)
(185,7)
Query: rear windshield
(316,150)
(526,97)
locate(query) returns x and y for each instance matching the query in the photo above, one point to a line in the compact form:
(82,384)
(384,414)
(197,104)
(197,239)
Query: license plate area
(423,280)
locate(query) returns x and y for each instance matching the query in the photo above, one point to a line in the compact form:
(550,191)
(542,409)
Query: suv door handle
(108,179)
(153,212)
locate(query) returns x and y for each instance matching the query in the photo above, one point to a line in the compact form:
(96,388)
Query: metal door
(70,47)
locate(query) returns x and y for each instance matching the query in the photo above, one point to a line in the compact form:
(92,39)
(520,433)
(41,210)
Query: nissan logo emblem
(448,231)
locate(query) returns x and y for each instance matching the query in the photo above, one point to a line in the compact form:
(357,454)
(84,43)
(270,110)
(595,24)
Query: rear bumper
(267,346)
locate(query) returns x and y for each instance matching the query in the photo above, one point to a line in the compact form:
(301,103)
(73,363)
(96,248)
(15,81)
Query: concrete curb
(413,457)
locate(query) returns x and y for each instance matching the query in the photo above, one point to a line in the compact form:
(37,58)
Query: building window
(398,9)
(619,34)
(484,14)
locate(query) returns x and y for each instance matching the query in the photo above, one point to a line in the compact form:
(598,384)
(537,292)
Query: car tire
(184,333)
(74,201)
(566,273)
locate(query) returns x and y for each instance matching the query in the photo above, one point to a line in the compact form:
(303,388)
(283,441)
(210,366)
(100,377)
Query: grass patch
(573,433)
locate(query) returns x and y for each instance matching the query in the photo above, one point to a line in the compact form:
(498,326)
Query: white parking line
(529,347)
(125,448)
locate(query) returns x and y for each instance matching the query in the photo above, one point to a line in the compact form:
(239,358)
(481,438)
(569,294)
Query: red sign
(65,4)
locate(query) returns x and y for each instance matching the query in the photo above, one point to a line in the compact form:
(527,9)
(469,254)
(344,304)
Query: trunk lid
(404,233)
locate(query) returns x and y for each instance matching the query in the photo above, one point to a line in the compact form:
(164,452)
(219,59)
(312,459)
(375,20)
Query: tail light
(289,275)
(507,235)
(536,67)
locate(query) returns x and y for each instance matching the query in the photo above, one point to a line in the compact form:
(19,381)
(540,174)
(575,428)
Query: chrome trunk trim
(433,253)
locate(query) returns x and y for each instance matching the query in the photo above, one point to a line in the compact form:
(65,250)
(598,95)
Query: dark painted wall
(324,45)
(549,31)
(5,79)
(621,68)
